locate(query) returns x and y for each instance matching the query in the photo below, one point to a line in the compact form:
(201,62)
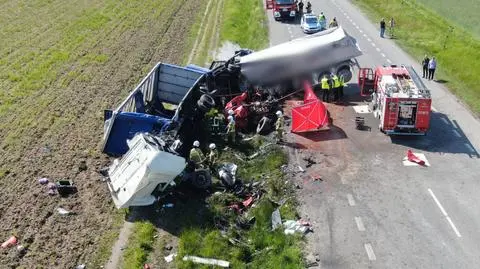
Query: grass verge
(139,245)
(257,246)
(421,31)
(108,239)
(245,23)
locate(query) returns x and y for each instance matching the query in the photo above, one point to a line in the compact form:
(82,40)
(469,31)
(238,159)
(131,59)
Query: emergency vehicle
(400,100)
(282,9)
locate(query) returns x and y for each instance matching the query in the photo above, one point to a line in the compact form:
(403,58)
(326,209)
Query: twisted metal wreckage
(170,103)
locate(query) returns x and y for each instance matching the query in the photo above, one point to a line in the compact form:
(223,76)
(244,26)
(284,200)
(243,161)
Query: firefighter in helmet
(196,155)
(231,132)
(279,125)
(212,155)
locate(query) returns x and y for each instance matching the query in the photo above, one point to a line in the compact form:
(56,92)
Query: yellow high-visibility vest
(336,82)
(325,85)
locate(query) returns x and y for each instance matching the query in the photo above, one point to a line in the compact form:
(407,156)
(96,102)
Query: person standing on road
(300,7)
(432,65)
(342,84)
(336,87)
(325,88)
(382,28)
(322,20)
(425,62)
(392,27)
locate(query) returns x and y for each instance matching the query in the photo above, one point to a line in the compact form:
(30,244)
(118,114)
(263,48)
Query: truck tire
(346,73)
(264,126)
(202,179)
(205,103)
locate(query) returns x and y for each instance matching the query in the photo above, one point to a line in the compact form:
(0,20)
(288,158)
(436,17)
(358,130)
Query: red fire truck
(282,9)
(399,98)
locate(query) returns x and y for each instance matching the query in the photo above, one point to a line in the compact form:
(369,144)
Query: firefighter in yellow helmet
(196,155)
(279,125)
(212,155)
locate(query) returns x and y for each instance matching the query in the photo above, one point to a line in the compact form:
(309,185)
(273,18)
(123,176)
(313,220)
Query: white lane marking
(383,55)
(444,213)
(378,49)
(354,24)
(365,35)
(361,32)
(369,250)
(469,147)
(360,225)
(348,17)
(368,39)
(454,227)
(351,201)
(373,44)
(434,109)
(457,134)
(388,60)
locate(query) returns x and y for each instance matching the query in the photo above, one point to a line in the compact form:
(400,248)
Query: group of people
(332,87)
(383,27)
(201,161)
(429,66)
(321,18)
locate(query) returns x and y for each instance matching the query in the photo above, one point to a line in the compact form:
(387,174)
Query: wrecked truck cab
(168,98)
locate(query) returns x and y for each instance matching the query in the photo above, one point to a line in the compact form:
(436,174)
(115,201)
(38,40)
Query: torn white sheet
(361,109)
(208,261)
(170,257)
(421,156)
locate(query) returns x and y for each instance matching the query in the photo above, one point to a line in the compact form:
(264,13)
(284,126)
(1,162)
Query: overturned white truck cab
(171,101)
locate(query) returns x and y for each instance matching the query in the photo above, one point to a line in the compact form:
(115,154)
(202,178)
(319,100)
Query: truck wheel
(207,100)
(346,73)
(263,125)
(202,179)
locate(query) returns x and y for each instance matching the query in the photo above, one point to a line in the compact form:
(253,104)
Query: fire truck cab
(282,9)
(400,100)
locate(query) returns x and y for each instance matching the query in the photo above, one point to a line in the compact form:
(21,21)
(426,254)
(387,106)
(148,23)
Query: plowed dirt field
(61,64)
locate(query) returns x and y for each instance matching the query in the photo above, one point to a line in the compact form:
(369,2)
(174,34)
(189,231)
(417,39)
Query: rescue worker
(212,156)
(300,7)
(333,23)
(279,124)
(309,7)
(196,155)
(325,88)
(322,20)
(425,62)
(231,133)
(342,84)
(336,86)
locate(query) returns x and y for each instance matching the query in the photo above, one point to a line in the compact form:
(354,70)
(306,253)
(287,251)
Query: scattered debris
(276,219)
(43,180)
(104,171)
(52,188)
(415,159)
(299,226)
(65,187)
(208,261)
(12,241)
(147,266)
(168,247)
(301,169)
(312,264)
(82,166)
(169,205)
(317,178)
(81,266)
(63,211)
(227,174)
(20,248)
(170,257)
(309,161)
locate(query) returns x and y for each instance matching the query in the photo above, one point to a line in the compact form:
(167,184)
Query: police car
(309,23)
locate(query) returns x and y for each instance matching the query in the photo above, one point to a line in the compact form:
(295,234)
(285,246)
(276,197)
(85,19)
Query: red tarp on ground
(312,115)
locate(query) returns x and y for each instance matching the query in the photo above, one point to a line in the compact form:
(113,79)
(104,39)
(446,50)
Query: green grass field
(464,13)
(421,31)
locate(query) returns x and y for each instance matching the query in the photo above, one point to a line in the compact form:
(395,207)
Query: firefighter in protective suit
(325,88)
(212,155)
(231,133)
(196,155)
(279,125)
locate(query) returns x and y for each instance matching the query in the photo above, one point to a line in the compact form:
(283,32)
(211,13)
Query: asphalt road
(371,211)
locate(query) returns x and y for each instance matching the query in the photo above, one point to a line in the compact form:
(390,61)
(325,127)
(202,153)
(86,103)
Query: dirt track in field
(54,141)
